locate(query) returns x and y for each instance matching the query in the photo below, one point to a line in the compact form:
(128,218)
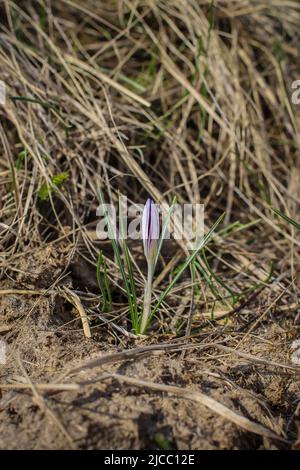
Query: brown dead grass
(163,98)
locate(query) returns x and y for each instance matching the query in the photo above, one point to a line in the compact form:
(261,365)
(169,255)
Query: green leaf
(131,296)
(164,229)
(103,283)
(56,181)
(287,218)
(187,262)
(20,160)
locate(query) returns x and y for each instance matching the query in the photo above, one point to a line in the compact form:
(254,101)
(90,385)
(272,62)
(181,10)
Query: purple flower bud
(150,230)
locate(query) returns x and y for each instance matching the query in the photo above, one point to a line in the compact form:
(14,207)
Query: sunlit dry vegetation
(185,99)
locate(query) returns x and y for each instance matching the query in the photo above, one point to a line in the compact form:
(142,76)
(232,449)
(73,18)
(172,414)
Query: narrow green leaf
(287,218)
(164,229)
(117,253)
(99,280)
(201,245)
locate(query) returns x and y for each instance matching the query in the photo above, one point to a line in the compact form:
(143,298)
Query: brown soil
(112,415)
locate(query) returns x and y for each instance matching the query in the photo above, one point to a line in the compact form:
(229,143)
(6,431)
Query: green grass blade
(107,287)
(99,280)
(164,229)
(103,284)
(187,262)
(217,279)
(131,282)
(117,253)
(287,218)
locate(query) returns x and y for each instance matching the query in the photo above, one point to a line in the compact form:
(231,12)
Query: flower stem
(147,300)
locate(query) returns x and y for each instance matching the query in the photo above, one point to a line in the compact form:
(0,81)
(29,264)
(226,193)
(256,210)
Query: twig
(75,300)
(42,404)
(205,400)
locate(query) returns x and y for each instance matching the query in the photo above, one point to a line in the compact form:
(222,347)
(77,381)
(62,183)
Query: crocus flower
(150,231)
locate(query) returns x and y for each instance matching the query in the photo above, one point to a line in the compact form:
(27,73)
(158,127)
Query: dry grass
(164,98)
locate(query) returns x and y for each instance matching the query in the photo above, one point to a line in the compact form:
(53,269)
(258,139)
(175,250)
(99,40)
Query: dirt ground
(110,414)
